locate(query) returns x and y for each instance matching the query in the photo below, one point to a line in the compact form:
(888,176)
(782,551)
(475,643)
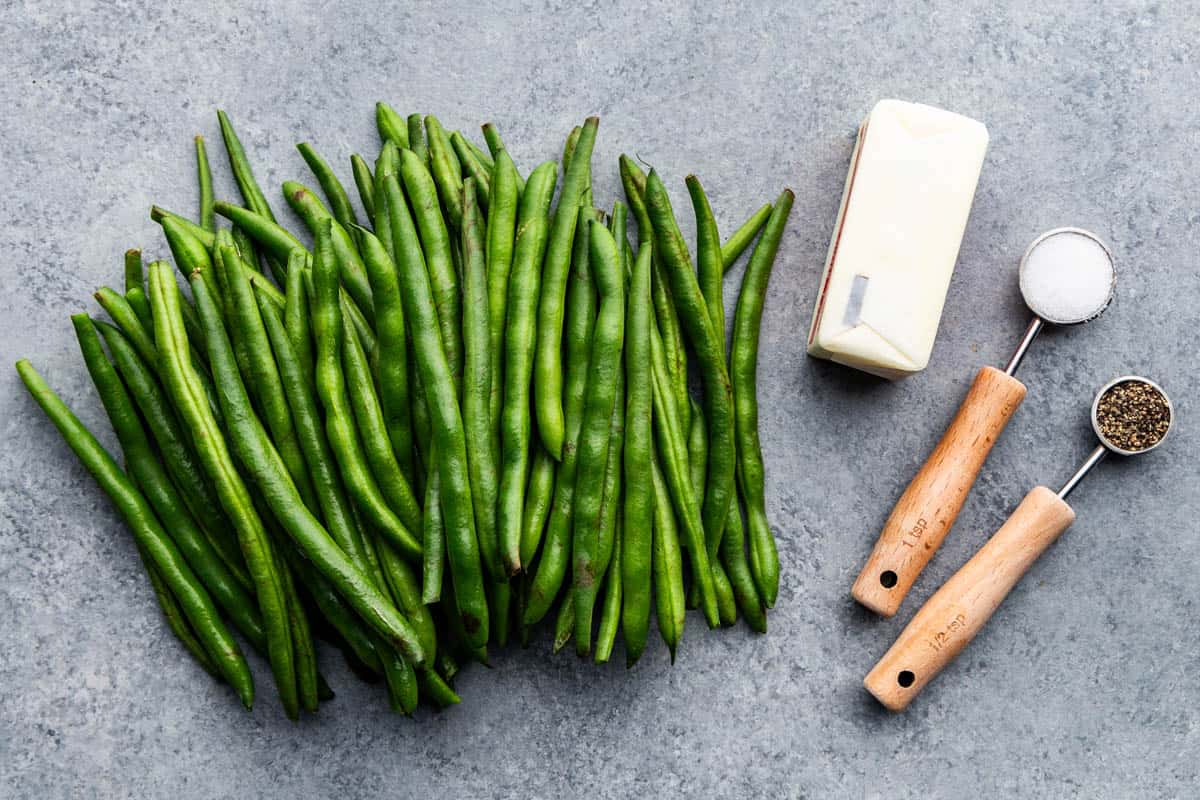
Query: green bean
(175,618)
(697,448)
(477,387)
(419,411)
(335,508)
(736,244)
(634,182)
(373,434)
(340,426)
(610,517)
(167,501)
(484,157)
(610,614)
(709,269)
(136,297)
(495,146)
(204,176)
(564,623)
(581,318)
(710,352)
(733,556)
(353,272)
(446,169)
(335,193)
(256,201)
(175,450)
(416,137)
(354,633)
(672,449)
(405,588)
(365,181)
(548,372)
(604,372)
(638,510)
(366,334)
(184,389)
(570,144)
(189,253)
(501,234)
(764,557)
(436,690)
(148,533)
(159,214)
(475,168)
(263,375)
(539,494)
(391,125)
(667,564)
(435,242)
(462,546)
(302,641)
(245,248)
(134,273)
(261,460)
(391,353)
(433,536)
(296,318)
(275,239)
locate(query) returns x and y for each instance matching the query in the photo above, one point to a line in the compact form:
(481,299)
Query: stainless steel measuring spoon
(1067,277)
(957,611)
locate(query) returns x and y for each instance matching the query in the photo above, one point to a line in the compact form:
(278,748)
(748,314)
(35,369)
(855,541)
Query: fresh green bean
(709,268)
(501,234)
(564,623)
(733,556)
(365,181)
(434,241)
(204,178)
(263,376)
(335,193)
(500,597)
(638,510)
(136,297)
(353,272)
(673,457)
(523,287)
(261,460)
(436,690)
(580,321)
(569,146)
(667,564)
(710,352)
(256,201)
(391,125)
(604,368)
(149,534)
(495,146)
(416,137)
(610,613)
(296,317)
(391,353)
(433,535)
(134,273)
(274,238)
(764,557)
(548,371)
(176,620)
(462,545)
(477,387)
(474,168)
(697,450)
(405,588)
(247,250)
(340,426)
(302,641)
(610,516)
(446,169)
(736,244)
(368,415)
(539,495)
(189,253)
(159,214)
(483,156)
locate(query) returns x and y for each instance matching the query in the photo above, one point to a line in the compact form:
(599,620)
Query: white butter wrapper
(904,209)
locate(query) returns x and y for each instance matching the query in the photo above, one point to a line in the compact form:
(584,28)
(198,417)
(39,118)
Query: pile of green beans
(457,415)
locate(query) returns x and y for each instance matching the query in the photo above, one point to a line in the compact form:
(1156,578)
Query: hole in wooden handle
(887,579)
(905,678)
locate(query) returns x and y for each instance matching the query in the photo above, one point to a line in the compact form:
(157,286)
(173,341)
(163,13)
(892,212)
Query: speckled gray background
(1085,684)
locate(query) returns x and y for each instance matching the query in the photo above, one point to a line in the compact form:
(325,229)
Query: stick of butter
(911,182)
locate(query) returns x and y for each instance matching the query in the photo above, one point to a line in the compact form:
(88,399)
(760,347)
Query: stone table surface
(1085,683)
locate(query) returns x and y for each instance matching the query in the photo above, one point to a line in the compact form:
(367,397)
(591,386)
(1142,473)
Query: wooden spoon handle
(957,611)
(923,515)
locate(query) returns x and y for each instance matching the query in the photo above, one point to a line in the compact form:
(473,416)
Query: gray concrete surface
(1084,685)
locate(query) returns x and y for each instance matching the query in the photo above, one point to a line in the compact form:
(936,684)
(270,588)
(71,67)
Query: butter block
(904,209)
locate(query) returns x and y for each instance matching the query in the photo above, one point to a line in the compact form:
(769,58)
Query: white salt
(1068,277)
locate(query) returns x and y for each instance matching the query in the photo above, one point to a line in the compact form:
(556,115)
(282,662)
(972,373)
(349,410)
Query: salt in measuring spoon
(1131,415)
(1066,277)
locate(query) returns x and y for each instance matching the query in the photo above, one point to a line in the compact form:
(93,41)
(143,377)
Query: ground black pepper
(1133,415)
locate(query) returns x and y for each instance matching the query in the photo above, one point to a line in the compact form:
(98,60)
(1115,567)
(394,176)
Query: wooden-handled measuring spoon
(1130,415)
(1067,278)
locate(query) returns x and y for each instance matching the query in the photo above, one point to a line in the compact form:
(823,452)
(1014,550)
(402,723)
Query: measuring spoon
(957,611)
(1067,278)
